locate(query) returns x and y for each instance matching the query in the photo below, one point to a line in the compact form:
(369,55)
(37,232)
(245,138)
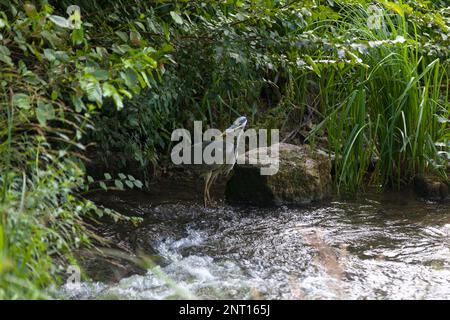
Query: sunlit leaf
(138,184)
(118,184)
(129,184)
(122,35)
(21,100)
(176,17)
(60,21)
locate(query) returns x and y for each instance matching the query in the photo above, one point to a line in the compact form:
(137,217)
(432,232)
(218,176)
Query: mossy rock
(303,177)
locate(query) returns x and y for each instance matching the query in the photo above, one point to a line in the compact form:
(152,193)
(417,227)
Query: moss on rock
(303,177)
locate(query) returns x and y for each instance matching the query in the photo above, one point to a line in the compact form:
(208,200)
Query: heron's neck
(236,147)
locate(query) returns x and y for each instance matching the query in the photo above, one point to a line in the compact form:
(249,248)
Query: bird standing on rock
(221,148)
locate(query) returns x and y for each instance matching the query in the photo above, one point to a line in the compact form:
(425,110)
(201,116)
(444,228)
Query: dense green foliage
(53,77)
(301,66)
(367,83)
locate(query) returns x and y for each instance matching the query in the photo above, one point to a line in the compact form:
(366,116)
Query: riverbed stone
(304,176)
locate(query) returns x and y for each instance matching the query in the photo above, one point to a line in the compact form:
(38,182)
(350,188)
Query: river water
(375,247)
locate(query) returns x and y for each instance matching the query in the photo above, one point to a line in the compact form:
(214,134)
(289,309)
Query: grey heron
(225,148)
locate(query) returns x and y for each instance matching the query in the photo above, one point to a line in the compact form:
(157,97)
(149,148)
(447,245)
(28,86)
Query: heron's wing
(221,153)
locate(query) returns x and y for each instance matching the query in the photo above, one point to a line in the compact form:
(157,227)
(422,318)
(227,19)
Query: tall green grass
(40,220)
(382,120)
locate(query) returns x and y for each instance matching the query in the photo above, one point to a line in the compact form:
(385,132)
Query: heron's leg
(211,181)
(205,190)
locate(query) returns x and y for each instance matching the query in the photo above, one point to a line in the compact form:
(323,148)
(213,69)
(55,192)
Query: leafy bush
(297,66)
(54,75)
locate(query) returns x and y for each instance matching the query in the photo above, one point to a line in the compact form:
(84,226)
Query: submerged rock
(303,177)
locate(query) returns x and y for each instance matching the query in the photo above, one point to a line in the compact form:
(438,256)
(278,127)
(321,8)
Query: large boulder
(304,176)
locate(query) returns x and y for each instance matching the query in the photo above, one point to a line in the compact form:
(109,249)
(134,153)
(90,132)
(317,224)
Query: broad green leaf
(62,55)
(103,185)
(44,112)
(49,54)
(138,184)
(33,79)
(54,95)
(99,213)
(129,184)
(130,78)
(107,176)
(59,21)
(118,101)
(21,100)
(78,103)
(394,6)
(176,17)
(140,25)
(122,176)
(101,74)
(92,87)
(110,91)
(135,37)
(122,35)
(5,55)
(77,36)
(118,184)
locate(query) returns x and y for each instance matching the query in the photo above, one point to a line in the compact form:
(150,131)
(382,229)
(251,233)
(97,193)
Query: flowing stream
(376,247)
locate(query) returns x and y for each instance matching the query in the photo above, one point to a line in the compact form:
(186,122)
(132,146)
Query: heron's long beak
(235,127)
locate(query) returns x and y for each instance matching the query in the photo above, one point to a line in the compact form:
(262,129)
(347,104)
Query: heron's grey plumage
(228,150)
